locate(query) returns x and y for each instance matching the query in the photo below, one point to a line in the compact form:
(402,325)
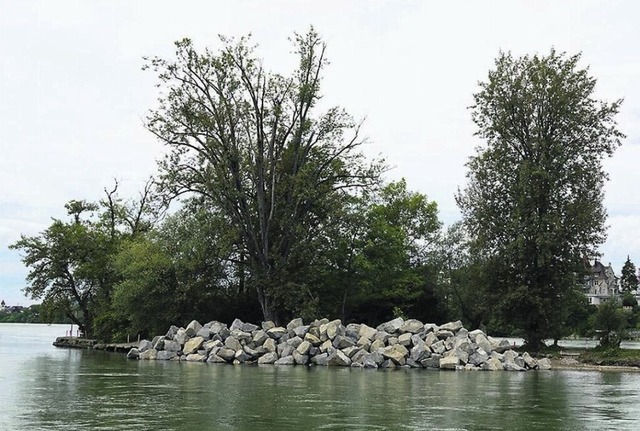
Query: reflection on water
(42,387)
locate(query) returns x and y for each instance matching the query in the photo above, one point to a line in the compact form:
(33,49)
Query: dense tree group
(275,212)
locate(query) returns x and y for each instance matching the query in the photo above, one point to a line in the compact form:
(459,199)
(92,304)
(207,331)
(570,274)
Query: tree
(610,321)
(69,265)
(629,280)
(533,202)
(251,144)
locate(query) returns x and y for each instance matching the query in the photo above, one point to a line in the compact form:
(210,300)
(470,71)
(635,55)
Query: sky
(73,95)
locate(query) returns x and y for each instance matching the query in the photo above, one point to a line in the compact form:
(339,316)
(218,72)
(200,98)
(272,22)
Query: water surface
(46,388)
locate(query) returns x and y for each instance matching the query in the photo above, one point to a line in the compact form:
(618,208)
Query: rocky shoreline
(397,343)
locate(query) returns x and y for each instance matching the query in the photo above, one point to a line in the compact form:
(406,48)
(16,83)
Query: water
(45,388)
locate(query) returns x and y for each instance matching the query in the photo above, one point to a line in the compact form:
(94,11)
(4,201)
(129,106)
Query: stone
(478,357)
(530,362)
(511,366)
(195,357)
(430,338)
(241,336)
(387,363)
(444,334)
(227,354)
(299,358)
(364,343)
(473,334)
(449,362)
(192,328)
(382,336)
(462,333)
(233,343)
(276,332)
(248,327)
(350,351)
(432,362)
(352,331)
(397,353)
(335,328)
(420,352)
(342,342)
(268,325)
(268,358)
(519,362)
(158,343)
(392,341)
(241,356)
(259,337)
(412,326)
(438,347)
(144,345)
(303,348)
(405,339)
(367,332)
(373,360)
(376,345)
(165,355)
(172,346)
(358,356)
(209,345)
(294,324)
(204,333)
(215,359)
(452,326)
(315,341)
(471,367)
(301,331)
(236,324)
(192,345)
(252,353)
(483,342)
(173,330)
(181,336)
(544,364)
(133,354)
(392,325)
(294,342)
(338,359)
(216,327)
(269,345)
(284,350)
(321,359)
(151,354)
(287,360)
(326,346)
(510,356)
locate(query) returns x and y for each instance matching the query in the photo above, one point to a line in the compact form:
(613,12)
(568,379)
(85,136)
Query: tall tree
(629,280)
(533,201)
(251,143)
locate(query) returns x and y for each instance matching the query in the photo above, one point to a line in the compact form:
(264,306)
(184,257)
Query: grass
(617,357)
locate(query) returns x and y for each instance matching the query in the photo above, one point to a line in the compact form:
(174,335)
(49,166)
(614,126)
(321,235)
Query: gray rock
(412,326)
(252,353)
(299,358)
(158,343)
(236,324)
(405,339)
(211,344)
(294,342)
(192,328)
(227,354)
(397,353)
(295,323)
(195,357)
(204,333)
(270,345)
(483,343)
(544,364)
(430,338)
(350,351)
(233,343)
(301,331)
(215,359)
(321,359)
(438,347)
(392,325)
(276,332)
(241,356)
(376,345)
(181,336)
(259,337)
(326,346)
(240,335)
(268,358)
(217,327)
(151,354)
(530,362)
(462,333)
(133,354)
(478,357)
(144,345)
(284,350)
(352,331)
(165,355)
(268,325)
(432,362)
(382,336)
(303,348)
(373,360)
(449,362)
(335,328)
(511,366)
(452,326)
(367,332)
(510,356)
(248,327)
(358,356)
(342,342)
(444,334)
(420,352)
(172,346)
(173,330)
(287,360)
(392,341)
(473,334)
(338,359)
(192,345)
(364,343)
(413,364)
(315,341)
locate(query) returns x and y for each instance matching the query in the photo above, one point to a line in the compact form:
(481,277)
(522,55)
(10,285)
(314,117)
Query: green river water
(46,388)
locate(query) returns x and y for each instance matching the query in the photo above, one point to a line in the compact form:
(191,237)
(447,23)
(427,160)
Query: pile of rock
(396,343)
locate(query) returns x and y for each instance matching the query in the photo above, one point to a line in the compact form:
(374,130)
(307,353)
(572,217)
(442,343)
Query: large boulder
(233,343)
(544,364)
(338,358)
(367,332)
(134,353)
(276,332)
(151,354)
(268,358)
(287,360)
(172,346)
(449,362)
(412,326)
(181,336)
(192,345)
(392,325)
(452,326)
(227,354)
(335,328)
(195,357)
(397,353)
(342,342)
(193,327)
(303,348)
(165,355)
(144,345)
(295,323)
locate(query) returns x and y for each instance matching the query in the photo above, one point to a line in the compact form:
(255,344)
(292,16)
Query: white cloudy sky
(73,96)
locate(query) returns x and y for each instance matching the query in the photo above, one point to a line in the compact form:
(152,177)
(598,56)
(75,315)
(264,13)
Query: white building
(601,283)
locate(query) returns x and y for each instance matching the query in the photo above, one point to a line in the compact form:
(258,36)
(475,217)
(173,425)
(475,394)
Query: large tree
(629,279)
(252,144)
(533,202)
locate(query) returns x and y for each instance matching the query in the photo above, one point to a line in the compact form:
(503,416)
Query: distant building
(600,283)
(3,306)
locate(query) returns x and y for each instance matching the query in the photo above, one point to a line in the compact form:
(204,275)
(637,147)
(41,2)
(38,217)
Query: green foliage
(611,321)
(252,145)
(629,279)
(530,220)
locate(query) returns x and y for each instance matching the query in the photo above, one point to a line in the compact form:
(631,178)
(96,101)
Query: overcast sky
(73,96)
